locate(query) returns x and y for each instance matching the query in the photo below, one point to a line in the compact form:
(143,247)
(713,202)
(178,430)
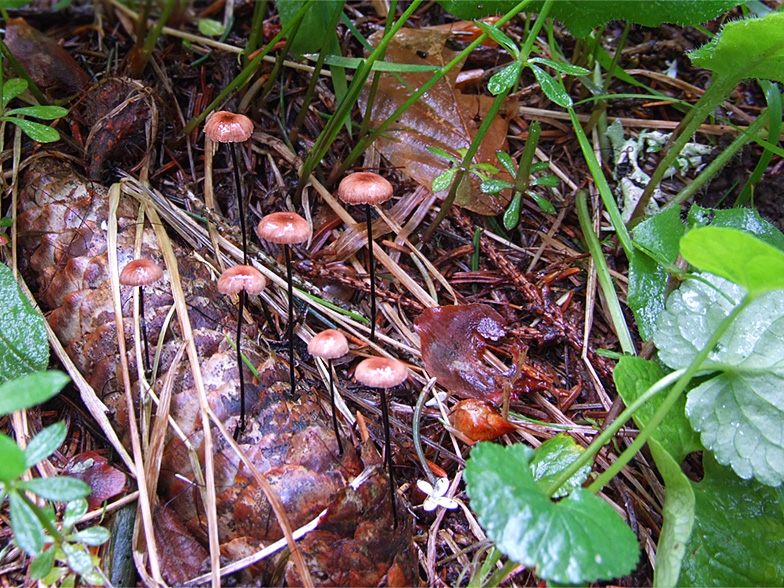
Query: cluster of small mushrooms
(287,229)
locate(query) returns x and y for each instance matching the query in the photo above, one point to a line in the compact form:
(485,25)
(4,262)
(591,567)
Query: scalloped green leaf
(578,539)
(23,344)
(658,238)
(743,219)
(739,411)
(580,17)
(552,457)
(738,535)
(633,376)
(753,48)
(736,256)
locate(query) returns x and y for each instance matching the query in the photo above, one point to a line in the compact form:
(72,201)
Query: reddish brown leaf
(453,343)
(93,469)
(48,64)
(181,556)
(443,117)
(479,420)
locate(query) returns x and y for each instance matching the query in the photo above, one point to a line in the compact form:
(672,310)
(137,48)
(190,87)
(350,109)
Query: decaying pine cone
(63,238)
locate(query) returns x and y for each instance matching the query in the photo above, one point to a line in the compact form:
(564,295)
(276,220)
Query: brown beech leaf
(443,117)
(48,64)
(479,420)
(181,556)
(453,343)
(104,480)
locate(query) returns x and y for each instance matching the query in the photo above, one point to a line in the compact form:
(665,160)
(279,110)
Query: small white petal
(430,504)
(447,503)
(442,487)
(425,487)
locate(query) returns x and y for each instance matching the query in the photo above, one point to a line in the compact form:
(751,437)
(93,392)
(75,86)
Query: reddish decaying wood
(289,439)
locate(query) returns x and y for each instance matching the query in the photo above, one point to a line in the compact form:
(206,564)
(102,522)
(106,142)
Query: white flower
(436,496)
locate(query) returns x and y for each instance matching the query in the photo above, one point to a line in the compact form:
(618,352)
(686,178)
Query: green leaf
(312,34)
(78,559)
(42,112)
(444,153)
(444,180)
(566,68)
(93,536)
(543,202)
(24,347)
(738,411)
(749,48)
(44,444)
(28,533)
(485,167)
(633,376)
(580,17)
(506,160)
(210,28)
(13,88)
(30,390)
(738,535)
(58,489)
(659,236)
(743,219)
(36,131)
(74,511)
(499,37)
(12,465)
(547,181)
(678,513)
(512,213)
(552,89)
(42,564)
(505,79)
(578,539)
(552,457)
(495,186)
(741,258)
(540,166)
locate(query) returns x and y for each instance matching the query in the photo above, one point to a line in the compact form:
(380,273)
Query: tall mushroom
(367,188)
(329,345)
(286,228)
(141,273)
(383,373)
(242,280)
(227,127)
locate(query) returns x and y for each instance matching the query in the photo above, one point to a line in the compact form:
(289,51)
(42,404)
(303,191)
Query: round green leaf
(739,257)
(93,536)
(210,28)
(23,344)
(443,180)
(512,214)
(552,457)
(12,88)
(579,539)
(30,390)
(12,464)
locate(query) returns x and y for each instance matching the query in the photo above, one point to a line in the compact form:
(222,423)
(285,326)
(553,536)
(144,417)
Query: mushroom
(242,280)
(329,345)
(286,228)
(227,127)
(383,373)
(140,273)
(367,188)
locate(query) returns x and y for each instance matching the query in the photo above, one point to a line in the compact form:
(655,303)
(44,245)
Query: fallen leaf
(479,420)
(93,469)
(443,117)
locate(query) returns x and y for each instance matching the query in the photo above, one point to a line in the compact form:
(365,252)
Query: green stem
(523,178)
(671,397)
(720,87)
(604,188)
(603,275)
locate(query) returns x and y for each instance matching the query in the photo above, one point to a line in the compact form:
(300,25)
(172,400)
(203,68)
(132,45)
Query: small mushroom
(242,280)
(140,273)
(367,188)
(228,127)
(383,373)
(329,345)
(286,228)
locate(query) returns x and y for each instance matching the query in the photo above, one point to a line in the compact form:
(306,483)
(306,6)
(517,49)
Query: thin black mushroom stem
(369,189)
(242,280)
(286,228)
(330,344)
(384,373)
(141,273)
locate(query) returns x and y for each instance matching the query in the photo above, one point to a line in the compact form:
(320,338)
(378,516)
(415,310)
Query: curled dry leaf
(453,343)
(48,64)
(93,469)
(443,117)
(479,420)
